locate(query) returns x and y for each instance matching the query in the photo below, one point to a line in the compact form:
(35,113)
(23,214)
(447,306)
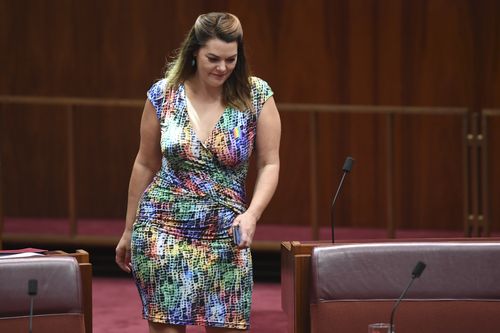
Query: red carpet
(117,308)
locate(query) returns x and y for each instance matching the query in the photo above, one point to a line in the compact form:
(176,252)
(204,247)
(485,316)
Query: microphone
(32,291)
(346,168)
(417,271)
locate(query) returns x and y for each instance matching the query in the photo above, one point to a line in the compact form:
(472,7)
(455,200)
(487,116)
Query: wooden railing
(389,112)
(474,221)
(69,103)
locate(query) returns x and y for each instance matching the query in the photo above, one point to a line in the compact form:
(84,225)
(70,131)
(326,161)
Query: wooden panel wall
(104,157)
(364,137)
(35,169)
(359,52)
(492,162)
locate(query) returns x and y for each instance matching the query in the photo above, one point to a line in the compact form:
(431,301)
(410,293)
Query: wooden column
(486,196)
(71,172)
(391,228)
(1,185)
(313,172)
(471,223)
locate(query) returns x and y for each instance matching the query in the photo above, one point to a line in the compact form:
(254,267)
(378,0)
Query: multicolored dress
(186,268)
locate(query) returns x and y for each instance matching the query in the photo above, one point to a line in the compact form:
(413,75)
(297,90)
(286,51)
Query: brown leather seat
(58,303)
(355,285)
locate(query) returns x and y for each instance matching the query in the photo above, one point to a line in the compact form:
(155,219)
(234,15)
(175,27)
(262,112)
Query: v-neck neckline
(190,123)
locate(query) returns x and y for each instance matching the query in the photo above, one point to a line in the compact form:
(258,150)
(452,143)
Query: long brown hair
(223,26)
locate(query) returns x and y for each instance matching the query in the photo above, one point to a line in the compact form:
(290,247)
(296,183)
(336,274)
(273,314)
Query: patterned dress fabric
(186,268)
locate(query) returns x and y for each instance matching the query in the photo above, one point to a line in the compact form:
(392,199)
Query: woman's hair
(223,26)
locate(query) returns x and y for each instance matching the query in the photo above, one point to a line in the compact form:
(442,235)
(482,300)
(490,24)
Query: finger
(243,245)
(118,256)
(124,267)
(245,242)
(127,259)
(120,260)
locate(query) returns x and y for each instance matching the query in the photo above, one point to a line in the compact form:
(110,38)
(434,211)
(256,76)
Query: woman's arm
(268,165)
(147,163)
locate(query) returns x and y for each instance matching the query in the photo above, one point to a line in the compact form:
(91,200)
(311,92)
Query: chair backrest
(354,285)
(382,271)
(57,307)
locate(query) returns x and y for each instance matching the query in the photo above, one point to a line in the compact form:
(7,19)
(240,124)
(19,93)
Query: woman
(187,188)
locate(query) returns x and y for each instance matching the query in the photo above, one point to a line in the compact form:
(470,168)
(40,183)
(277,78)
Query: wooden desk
(296,275)
(295,281)
(86,279)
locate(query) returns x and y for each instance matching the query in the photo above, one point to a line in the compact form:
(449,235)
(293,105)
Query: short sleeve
(261,92)
(156,95)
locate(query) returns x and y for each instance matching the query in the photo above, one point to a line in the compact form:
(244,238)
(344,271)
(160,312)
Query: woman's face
(216,61)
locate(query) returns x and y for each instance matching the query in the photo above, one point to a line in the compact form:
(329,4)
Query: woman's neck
(201,90)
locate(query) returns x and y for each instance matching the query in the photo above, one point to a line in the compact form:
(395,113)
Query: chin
(217,82)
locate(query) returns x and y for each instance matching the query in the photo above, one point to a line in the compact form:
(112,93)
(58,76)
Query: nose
(221,67)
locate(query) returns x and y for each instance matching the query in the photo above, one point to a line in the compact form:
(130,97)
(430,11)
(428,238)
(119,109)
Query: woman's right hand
(122,257)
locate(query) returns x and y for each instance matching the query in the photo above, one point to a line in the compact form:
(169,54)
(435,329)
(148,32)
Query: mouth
(219,76)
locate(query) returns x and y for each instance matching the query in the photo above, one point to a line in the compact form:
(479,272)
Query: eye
(231,60)
(212,59)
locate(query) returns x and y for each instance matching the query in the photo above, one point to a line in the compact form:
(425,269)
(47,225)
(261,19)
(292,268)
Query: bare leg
(164,328)
(223,330)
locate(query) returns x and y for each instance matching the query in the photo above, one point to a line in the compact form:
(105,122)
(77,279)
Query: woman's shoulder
(257,82)
(160,93)
(158,88)
(260,88)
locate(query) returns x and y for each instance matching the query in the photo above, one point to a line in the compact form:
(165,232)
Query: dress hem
(199,323)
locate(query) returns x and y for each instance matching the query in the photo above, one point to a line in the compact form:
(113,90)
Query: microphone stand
(417,271)
(32,291)
(395,306)
(31,314)
(346,168)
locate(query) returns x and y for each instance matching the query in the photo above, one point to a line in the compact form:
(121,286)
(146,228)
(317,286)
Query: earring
(193,62)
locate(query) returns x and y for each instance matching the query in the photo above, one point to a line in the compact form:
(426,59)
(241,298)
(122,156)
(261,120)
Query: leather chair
(355,285)
(58,303)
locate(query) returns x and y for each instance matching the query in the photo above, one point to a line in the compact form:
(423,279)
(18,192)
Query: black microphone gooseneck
(32,291)
(417,271)
(346,168)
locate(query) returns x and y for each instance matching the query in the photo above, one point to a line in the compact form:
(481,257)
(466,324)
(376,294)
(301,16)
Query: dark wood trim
(484,216)
(391,227)
(71,172)
(287,107)
(485,162)
(1,186)
(313,173)
(64,101)
(466,173)
(472,226)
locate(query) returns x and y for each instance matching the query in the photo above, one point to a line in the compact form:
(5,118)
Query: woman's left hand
(247,223)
